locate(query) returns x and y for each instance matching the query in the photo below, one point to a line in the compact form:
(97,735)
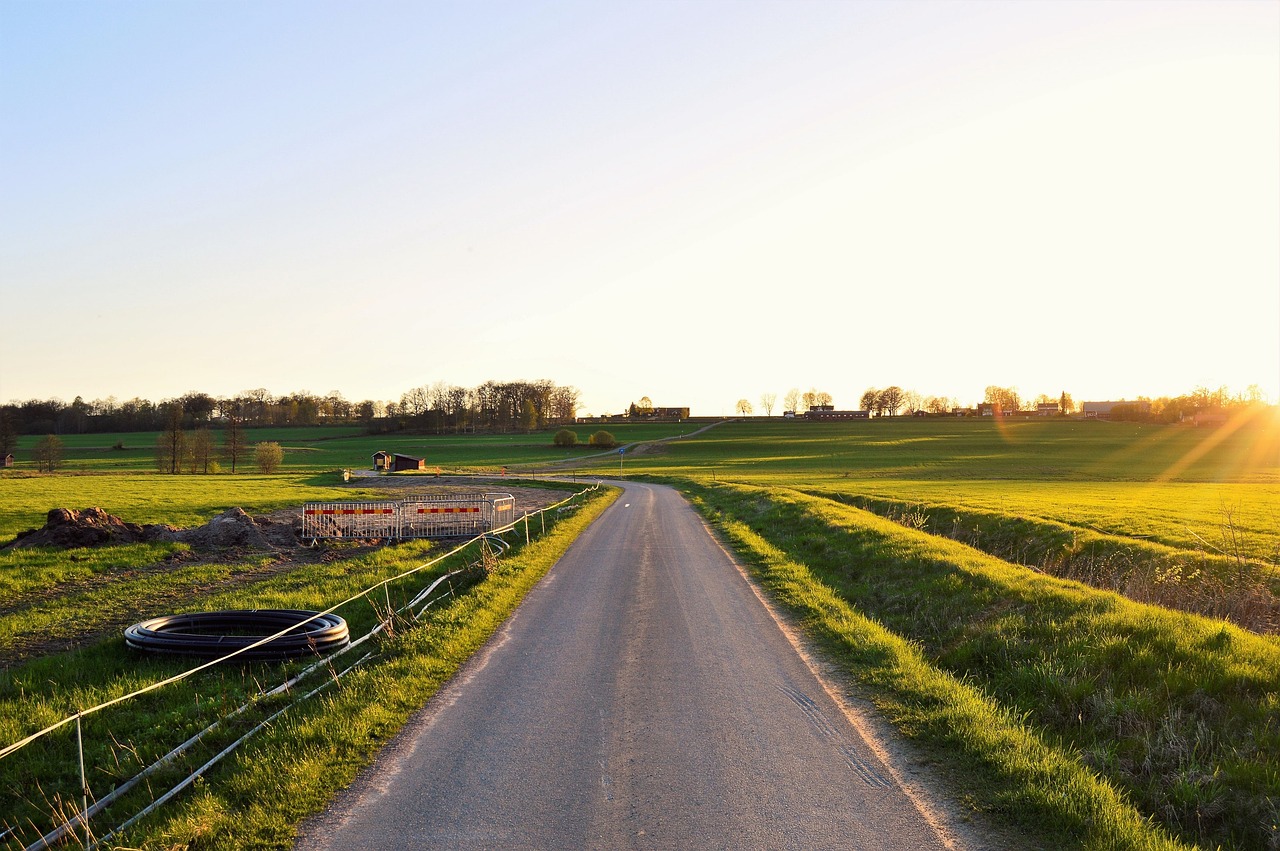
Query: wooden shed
(391,462)
(407,462)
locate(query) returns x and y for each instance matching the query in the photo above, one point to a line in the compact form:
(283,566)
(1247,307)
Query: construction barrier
(351,520)
(431,516)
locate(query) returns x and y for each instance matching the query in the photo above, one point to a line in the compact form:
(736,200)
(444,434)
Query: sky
(698,202)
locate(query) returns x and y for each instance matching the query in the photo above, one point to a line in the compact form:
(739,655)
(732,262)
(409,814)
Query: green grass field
(336,447)
(1068,713)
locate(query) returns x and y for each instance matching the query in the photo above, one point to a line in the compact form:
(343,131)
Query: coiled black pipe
(214,634)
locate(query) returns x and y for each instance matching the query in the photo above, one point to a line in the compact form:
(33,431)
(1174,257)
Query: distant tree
(529,415)
(415,403)
(565,438)
(869,398)
(171,444)
(792,400)
(743,407)
(645,406)
(268,456)
(912,401)
(1002,398)
(74,418)
(564,404)
(602,439)
(936,405)
(822,397)
(234,446)
(197,407)
(890,400)
(809,399)
(47,453)
(203,448)
(8,434)
(767,401)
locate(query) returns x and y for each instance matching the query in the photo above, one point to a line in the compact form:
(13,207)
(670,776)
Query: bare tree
(47,453)
(809,398)
(767,401)
(1002,398)
(822,397)
(233,441)
(889,401)
(912,401)
(415,402)
(744,407)
(869,399)
(171,445)
(792,400)
(202,449)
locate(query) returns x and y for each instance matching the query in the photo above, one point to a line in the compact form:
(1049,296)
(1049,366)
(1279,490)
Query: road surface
(642,696)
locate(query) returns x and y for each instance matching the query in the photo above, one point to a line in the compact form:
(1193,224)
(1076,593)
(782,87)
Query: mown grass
(1076,714)
(290,770)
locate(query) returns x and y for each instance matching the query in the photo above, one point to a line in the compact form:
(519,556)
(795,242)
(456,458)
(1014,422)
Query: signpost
(620,451)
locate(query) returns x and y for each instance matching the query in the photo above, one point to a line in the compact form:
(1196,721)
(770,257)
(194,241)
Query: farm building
(7,461)
(1047,409)
(1102,410)
(829,412)
(667,414)
(390,462)
(1211,417)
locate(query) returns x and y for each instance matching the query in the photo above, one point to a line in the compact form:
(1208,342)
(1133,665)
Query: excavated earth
(68,528)
(233,529)
(258,546)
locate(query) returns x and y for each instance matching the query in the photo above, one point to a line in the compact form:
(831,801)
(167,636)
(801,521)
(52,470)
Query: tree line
(439,407)
(894,401)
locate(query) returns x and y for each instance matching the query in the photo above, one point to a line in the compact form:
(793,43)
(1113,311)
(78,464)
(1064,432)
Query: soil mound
(93,527)
(231,528)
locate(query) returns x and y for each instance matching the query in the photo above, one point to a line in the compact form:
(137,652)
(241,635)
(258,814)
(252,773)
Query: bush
(602,439)
(565,438)
(47,453)
(268,456)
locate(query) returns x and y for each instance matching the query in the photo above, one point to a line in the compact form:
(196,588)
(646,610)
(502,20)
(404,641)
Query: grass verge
(1077,716)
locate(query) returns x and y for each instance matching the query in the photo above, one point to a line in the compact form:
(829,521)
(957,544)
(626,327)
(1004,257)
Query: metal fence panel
(351,520)
(436,516)
(500,510)
(429,516)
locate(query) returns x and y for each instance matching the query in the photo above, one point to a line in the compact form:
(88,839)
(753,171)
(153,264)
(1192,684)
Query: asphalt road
(640,697)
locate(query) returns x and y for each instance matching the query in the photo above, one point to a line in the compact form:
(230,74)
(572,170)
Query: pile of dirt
(92,527)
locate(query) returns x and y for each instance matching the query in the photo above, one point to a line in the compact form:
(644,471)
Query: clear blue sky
(695,201)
